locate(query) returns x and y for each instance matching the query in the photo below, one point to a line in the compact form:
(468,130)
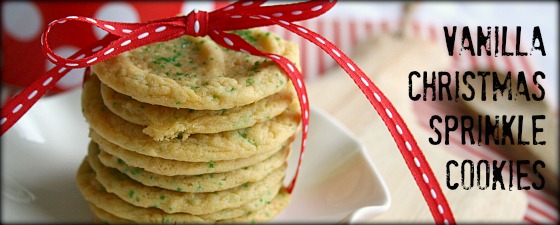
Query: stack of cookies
(186,131)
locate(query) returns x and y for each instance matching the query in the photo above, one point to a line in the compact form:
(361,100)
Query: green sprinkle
(136,171)
(180,136)
(137,199)
(141,106)
(211,175)
(243,133)
(245,185)
(211,165)
(250,81)
(199,188)
(177,103)
(162,197)
(131,193)
(120,161)
(179,189)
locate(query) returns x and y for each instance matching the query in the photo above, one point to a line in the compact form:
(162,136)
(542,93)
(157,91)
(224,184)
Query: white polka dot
(74,77)
(306,114)
(143,35)
(81,56)
(426,180)
(416,162)
(434,195)
(351,67)
(92,60)
(440,209)
(22,20)
(365,81)
(109,51)
(445,221)
(109,27)
(277,14)
(302,30)
(162,28)
(61,21)
(3,120)
(189,6)
(284,22)
(30,96)
(388,113)
(304,144)
(17,108)
(336,52)
(299,83)
(298,12)
(236,16)
(399,129)
(274,56)
(306,128)
(228,41)
(47,81)
(408,147)
(71,17)
(247,3)
(290,67)
(316,8)
(52,57)
(376,97)
(229,8)
(127,31)
(196,27)
(115,11)
(254,17)
(304,99)
(91,20)
(124,43)
(244,51)
(320,40)
(265,17)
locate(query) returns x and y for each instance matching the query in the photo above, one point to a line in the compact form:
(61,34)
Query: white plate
(41,153)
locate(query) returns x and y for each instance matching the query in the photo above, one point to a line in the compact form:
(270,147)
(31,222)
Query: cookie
(165,123)
(196,73)
(113,154)
(97,196)
(260,138)
(260,216)
(183,202)
(265,214)
(198,183)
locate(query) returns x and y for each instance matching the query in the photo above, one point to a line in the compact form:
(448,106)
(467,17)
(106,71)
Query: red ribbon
(239,15)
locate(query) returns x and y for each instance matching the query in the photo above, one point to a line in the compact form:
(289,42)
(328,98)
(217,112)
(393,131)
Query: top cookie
(196,73)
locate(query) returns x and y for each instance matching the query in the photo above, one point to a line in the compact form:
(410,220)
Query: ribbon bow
(239,15)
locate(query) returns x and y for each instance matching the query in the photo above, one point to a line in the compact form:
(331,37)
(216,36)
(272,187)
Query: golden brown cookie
(260,138)
(111,204)
(196,73)
(169,167)
(165,122)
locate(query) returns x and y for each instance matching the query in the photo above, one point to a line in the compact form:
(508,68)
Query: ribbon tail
(412,154)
